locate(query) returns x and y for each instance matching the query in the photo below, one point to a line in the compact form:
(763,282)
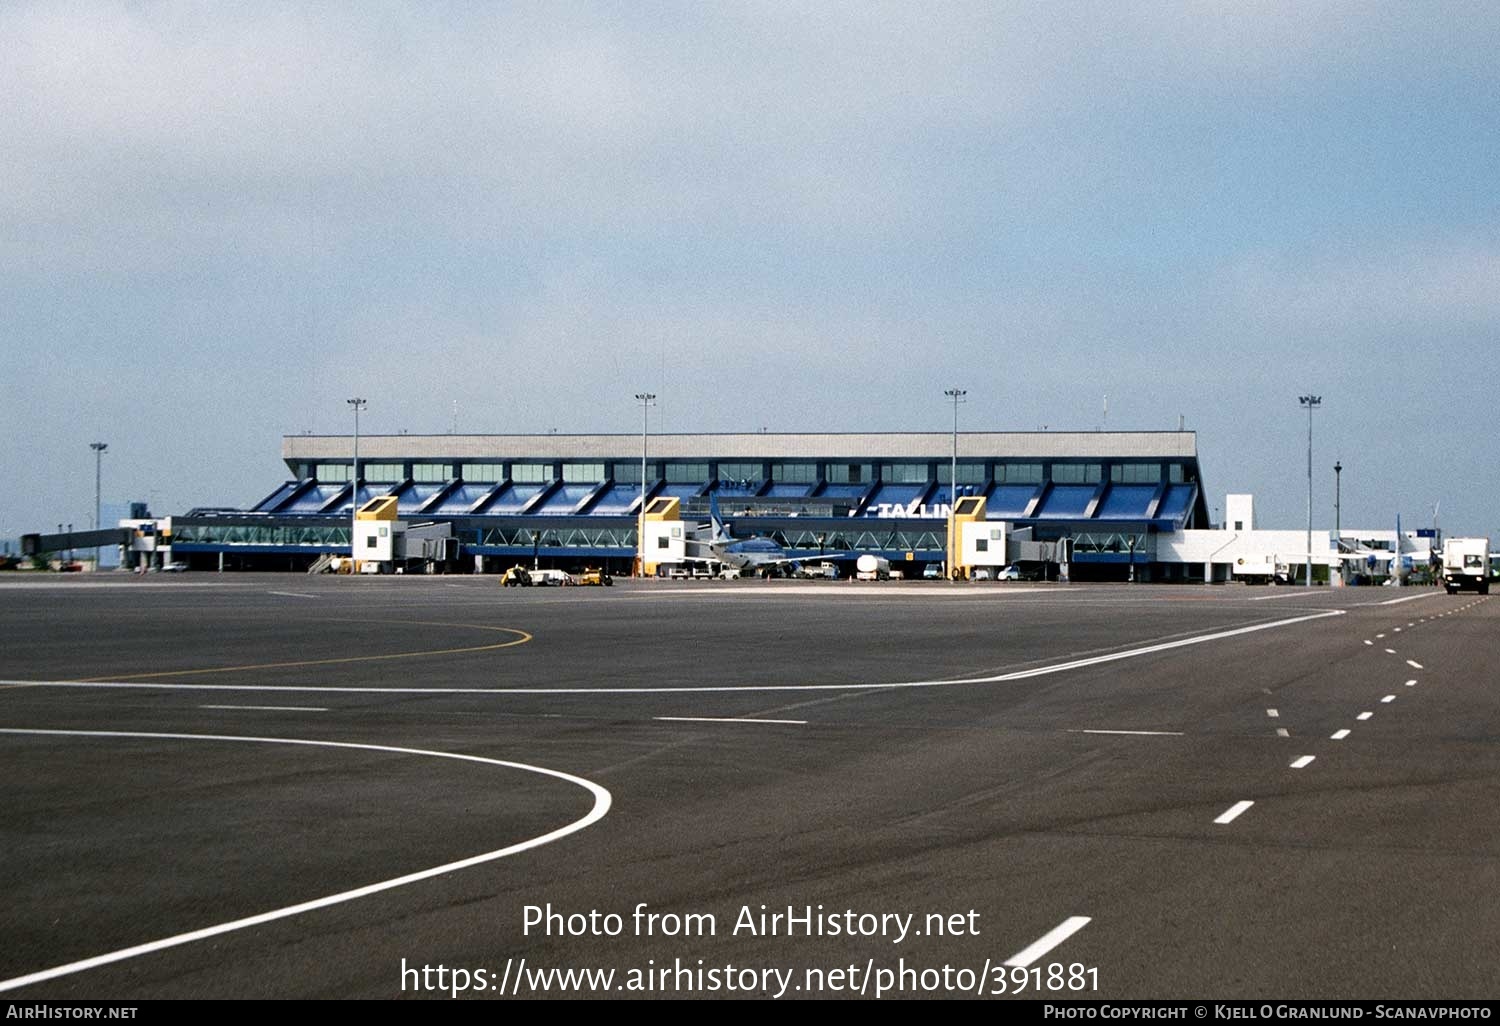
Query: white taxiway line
(1067,928)
(1137,733)
(725,719)
(1303,762)
(1398,601)
(270,708)
(1040,671)
(1364,716)
(602,800)
(1411,683)
(1233,812)
(1388,699)
(1283,732)
(1414,664)
(1338,735)
(1274,714)
(291,594)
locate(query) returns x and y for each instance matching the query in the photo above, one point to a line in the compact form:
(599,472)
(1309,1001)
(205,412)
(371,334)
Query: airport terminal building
(573,500)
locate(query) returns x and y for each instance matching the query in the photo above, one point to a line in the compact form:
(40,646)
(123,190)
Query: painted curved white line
(602,801)
(1001,678)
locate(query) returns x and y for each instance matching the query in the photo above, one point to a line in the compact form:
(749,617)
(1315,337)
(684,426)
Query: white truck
(1466,565)
(872,568)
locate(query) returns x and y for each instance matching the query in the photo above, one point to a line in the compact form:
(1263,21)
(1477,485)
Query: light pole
(1312,402)
(358,405)
(957,395)
(647,400)
(98,448)
(1338,468)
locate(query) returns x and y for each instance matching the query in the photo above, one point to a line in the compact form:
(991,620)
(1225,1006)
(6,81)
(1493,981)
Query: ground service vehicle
(872,568)
(594,575)
(516,577)
(1466,565)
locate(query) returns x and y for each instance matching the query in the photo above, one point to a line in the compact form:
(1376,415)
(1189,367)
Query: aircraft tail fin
(720,533)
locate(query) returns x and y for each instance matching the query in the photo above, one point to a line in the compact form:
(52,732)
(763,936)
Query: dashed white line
(1388,699)
(1137,733)
(1364,716)
(1378,636)
(1303,762)
(1272,713)
(1369,642)
(1411,683)
(291,594)
(1390,651)
(1055,936)
(725,719)
(1338,735)
(1232,813)
(1283,732)
(1414,664)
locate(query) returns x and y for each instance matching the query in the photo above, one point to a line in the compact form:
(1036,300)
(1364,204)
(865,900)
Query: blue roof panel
(618,500)
(565,498)
(1177,503)
(512,499)
(411,499)
(276,498)
(314,499)
(1010,500)
(1126,502)
(787,491)
(1067,502)
(461,499)
(895,495)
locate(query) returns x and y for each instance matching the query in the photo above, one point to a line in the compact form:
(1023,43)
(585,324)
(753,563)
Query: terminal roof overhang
(1044,445)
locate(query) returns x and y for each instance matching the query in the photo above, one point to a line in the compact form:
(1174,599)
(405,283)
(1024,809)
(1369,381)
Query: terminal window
(968,473)
(794,473)
(483,473)
(905,473)
(1135,473)
(530,473)
(1018,473)
(849,473)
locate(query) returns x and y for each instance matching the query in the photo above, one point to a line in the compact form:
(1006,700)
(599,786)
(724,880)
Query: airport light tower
(358,405)
(1312,402)
(98,448)
(957,395)
(647,400)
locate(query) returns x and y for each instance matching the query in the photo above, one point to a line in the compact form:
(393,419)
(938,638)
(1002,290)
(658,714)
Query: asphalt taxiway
(256,786)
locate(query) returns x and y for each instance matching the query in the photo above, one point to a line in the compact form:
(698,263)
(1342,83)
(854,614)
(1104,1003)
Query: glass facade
(333,472)
(1076,473)
(429,473)
(531,473)
(1135,473)
(968,473)
(385,473)
(1018,473)
(905,473)
(483,473)
(585,473)
(794,473)
(849,473)
(687,473)
(741,471)
(630,473)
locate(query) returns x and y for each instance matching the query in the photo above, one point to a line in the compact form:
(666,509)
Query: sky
(220,221)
